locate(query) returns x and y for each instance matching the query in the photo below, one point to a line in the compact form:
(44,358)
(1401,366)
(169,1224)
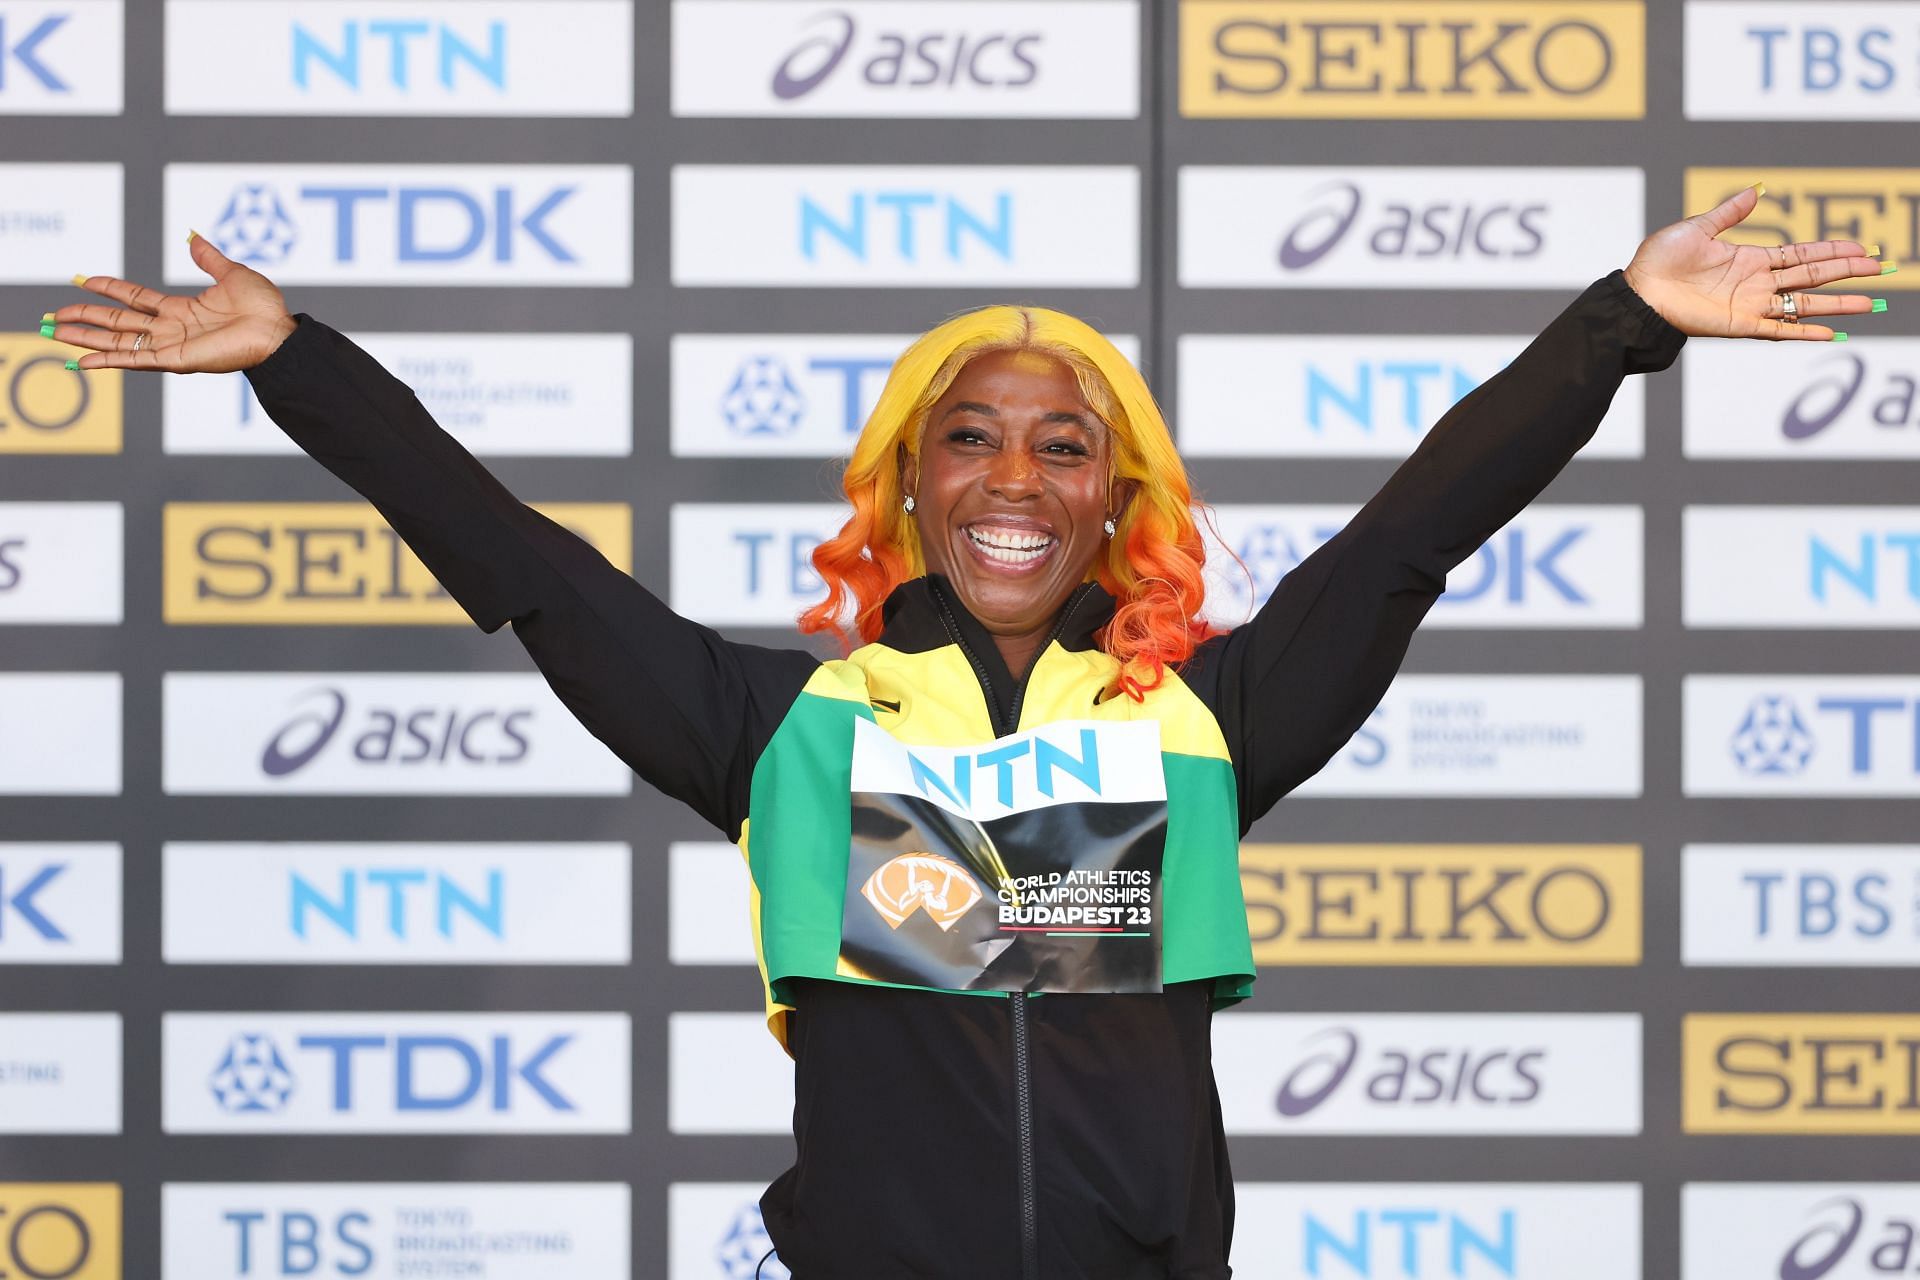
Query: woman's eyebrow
(971,406)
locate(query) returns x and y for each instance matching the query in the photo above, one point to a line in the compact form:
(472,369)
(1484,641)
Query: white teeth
(1010,547)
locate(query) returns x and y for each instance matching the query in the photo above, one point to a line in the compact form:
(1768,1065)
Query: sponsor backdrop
(333,946)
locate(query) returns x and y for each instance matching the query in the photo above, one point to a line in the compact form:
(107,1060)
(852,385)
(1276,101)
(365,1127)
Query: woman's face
(1011,490)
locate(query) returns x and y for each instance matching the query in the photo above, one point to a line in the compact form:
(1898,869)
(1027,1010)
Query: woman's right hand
(235,323)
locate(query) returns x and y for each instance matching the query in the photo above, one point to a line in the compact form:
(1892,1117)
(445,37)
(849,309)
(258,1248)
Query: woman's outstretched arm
(684,708)
(1294,684)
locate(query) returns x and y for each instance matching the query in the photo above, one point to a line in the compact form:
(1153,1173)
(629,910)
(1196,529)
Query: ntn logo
(448,898)
(1421,1240)
(1413,394)
(1858,567)
(908,59)
(394,48)
(1025,764)
(923,223)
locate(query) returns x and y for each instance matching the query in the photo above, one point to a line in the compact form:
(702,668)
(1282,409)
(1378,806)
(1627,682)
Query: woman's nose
(1014,475)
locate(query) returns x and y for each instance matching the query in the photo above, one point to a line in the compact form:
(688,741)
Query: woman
(1029,782)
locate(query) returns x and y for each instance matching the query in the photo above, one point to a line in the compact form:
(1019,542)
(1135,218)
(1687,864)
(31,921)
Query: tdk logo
(1014,769)
(397,902)
(926,61)
(1772,738)
(427,1073)
(1512,567)
(745,1251)
(1450,229)
(431,224)
(22,58)
(403,736)
(765,398)
(1775,738)
(397,52)
(20,913)
(1413,1241)
(908,225)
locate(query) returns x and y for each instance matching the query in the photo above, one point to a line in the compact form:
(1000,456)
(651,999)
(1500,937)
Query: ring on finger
(1789,308)
(1783,257)
(139,339)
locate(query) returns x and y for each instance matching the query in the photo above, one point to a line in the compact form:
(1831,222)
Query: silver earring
(1108,526)
(908,504)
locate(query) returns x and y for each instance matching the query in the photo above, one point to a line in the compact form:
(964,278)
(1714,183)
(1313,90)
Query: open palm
(1704,286)
(235,323)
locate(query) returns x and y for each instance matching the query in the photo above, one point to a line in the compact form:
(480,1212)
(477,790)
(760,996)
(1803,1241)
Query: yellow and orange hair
(1152,565)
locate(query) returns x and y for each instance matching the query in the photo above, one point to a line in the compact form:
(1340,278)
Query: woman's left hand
(1711,289)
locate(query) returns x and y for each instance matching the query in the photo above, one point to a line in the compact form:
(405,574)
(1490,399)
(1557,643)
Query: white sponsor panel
(60,562)
(748,564)
(287,903)
(55,215)
(1785,904)
(400,57)
(1802,566)
(60,734)
(780,395)
(974,225)
(393,1230)
(1783,60)
(1469,1230)
(1067,762)
(64,58)
(1553,566)
(1021,58)
(499,394)
(405,224)
(1411,1073)
(1435,735)
(1799,735)
(715,1232)
(59,1073)
(59,903)
(1250,227)
(708,920)
(333,733)
(1799,1230)
(1801,400)
(726,1074)
(1351,395)
(395,1073)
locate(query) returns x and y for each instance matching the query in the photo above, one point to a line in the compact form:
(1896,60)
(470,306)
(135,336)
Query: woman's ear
(1119,495)
(909,470)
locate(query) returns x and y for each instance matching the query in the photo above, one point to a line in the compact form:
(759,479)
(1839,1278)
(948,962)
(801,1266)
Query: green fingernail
(1888,270)
(46,328)
(1879,305)
(72,366)
(1839,337)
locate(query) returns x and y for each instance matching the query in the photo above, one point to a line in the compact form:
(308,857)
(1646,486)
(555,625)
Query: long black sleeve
(686,709)
(1292,685)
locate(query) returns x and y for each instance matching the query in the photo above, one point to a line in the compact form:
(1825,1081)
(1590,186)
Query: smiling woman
(1028,781)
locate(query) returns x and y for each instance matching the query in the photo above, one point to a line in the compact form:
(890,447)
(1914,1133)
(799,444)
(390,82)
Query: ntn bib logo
(1800,904)
(395,1073)
(905,225)
(1427,1231)
(391,1230)
(1767,60)
(48,408)
(1349,396)
(1867,206)
(1468,58)
(60,734)
(1247,227)
(407,224)
(60,1230)
(1798,401)
(1800,1231)
(313,563)
(1429,1073)
(782,395)
(1800,1073)
(1069,762)
(1801,735)
(59,903)
(61,59)
(413,57)
(1802,566)
(59,213)
(60,562)
(378,734)
(1442,904)
(1552,566)
(885,58)
(498,394)
(397,903)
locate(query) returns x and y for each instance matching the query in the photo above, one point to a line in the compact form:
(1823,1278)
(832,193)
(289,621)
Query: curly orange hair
(1153,564)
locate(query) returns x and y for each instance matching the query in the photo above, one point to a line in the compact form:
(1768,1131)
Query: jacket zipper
(1017,1000)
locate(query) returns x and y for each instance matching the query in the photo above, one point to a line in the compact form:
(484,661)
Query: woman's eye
(965,435)
(1068,447)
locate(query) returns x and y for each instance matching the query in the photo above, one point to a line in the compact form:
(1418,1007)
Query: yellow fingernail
(1873,251)
(46,317)
(81,280)
(1759,188)
(191,234)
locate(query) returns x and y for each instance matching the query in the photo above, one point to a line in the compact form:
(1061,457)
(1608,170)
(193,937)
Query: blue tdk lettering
(21,903)
(492,1071)
(343,57)
(25,52)
(1508,563)
(1415,1258)
(342,909)
(501,220)
(953,222)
